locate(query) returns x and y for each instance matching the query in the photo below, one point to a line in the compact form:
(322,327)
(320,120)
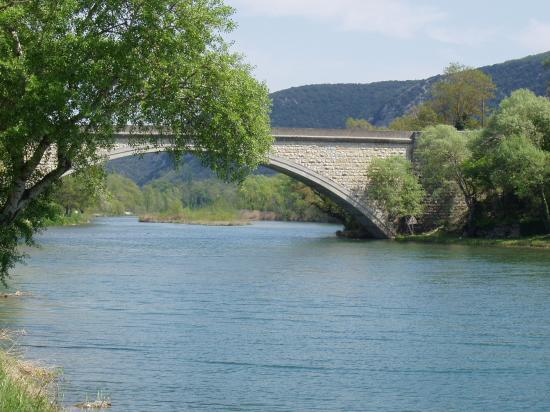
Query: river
(283,317)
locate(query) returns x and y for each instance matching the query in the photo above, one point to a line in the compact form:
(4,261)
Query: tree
(72,72)
(521,167)
(513,153)
(79,191)
(522,114)
(358,124)
(418,118)
(461,96)
(443,155)
(121,195)
(395,189)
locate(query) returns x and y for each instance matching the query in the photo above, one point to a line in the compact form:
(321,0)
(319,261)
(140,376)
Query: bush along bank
(24,386)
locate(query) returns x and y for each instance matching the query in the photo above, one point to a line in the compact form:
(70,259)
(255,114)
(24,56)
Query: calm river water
(284,317)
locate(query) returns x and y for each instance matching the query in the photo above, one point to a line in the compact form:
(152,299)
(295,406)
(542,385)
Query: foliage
(121,195)
(443,154)
(285,197)
(74,71)
(288,198)
(36,215)
(512,157)
(459,98)
(523,114)
(417,119)
(218,213)
(394,188)
(188,171)
(80,190)
(524,169)
(502,172)
(360,124)
(462,95)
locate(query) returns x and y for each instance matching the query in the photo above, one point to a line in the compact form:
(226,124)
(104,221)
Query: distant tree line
(286,198)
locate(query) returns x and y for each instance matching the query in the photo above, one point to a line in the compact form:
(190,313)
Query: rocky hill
(329,105)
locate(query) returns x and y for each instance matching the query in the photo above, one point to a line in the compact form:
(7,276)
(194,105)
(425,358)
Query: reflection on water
(281,317)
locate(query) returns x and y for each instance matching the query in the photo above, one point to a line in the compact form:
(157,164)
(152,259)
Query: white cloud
(396,18)
(536,37)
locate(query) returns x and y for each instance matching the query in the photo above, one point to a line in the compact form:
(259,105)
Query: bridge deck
(302,134)
(343,135)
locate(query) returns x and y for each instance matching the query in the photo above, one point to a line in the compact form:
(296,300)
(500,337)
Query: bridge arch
(365,215)
(333,162)
(368,218)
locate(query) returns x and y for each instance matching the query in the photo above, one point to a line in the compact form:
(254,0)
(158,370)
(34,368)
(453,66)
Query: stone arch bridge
(332,161)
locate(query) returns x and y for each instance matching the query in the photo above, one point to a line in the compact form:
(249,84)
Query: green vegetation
(218,215)
(441,237)
(359,124)
(394,188)
(74,219)
(289,199)
(196,201)
(23,387)
(79,191)
(74,71)
(418,118)
(510,162)
(499,176)
(329,105)
(460,98)
(442,154)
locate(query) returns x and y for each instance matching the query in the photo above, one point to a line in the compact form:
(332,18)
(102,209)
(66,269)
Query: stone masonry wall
(344,163)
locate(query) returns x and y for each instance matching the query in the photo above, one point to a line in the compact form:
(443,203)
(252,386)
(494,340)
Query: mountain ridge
(329,105)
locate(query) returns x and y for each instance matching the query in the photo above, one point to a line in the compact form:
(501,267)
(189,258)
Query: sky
(298,42)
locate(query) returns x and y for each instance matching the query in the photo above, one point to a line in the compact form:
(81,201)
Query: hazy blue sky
(297,42)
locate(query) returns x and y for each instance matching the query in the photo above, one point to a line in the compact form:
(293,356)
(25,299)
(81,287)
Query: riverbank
(439,237)
(25,386)
(75,219)
(221,217)
(207,216)
(186,221)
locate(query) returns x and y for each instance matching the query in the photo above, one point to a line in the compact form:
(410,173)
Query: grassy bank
(74,219)
(204,216)
(538,242)
(25,387)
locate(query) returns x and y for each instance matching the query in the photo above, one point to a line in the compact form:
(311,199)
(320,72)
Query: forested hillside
(329,105)
(151,167)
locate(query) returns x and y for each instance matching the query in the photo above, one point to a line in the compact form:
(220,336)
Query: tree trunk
(21,197)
